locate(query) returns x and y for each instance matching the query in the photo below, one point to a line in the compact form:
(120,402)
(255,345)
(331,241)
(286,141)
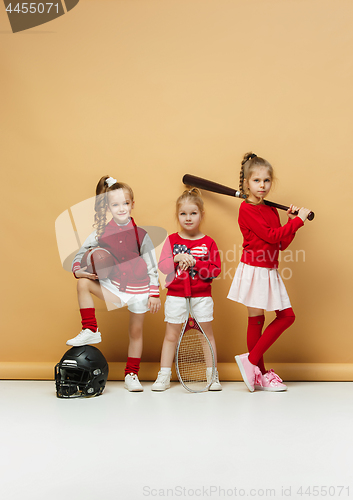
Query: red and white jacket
(207,267)
(135,270)
(263,234)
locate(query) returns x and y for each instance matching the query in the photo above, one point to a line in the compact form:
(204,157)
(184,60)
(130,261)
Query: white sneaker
(132,383)
(162,382)
(85,337)
(215,386)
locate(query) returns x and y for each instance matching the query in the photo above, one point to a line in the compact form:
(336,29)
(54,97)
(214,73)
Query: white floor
(176,444)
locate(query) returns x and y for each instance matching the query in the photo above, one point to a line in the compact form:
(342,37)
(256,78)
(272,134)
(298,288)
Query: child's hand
(81,273)
(154,304)
(303,213)
(185,261)
(291,210)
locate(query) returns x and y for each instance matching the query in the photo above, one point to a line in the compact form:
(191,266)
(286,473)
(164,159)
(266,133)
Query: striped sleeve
(149,256)
(89,243)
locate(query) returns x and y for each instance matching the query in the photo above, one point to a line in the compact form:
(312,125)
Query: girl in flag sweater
(133,280)
(192,251)
(257,283)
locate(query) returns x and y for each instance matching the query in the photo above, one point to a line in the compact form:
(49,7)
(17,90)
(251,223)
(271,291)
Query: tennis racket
(194,353)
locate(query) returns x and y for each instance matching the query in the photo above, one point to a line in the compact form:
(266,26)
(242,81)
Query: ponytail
(191,194)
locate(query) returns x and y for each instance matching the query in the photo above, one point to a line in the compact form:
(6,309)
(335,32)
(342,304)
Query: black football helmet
(81,372)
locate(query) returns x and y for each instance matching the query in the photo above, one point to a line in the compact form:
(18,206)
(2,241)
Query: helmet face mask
(81,372)
(72,382)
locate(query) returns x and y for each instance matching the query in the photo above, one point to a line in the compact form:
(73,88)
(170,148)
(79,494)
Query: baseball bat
(199,182)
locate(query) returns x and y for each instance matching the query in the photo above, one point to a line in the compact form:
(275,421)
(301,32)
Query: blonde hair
(193,195)
(249,163)
(101,202)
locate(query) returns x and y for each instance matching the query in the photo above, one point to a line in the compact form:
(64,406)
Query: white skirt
(259,287)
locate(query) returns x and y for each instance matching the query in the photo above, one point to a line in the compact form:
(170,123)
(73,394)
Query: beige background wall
(147,90)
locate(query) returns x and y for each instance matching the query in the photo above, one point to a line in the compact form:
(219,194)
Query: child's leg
(134,352)
(284,319)
(207,328)
(85,289)
(171,337)
(135,335)
(172,333)
(202,308)
(175,315)
(256,321)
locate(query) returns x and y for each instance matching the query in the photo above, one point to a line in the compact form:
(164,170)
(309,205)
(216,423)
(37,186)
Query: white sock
(165,370)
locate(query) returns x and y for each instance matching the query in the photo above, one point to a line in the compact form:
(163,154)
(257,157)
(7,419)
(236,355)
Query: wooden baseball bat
(199,182)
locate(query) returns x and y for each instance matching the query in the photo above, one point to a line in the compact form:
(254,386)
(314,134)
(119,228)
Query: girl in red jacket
(190,250)
(134,279)
(257,283)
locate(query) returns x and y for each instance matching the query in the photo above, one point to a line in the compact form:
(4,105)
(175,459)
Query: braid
(100,206)
(100,217)
(241,179)
(247,158)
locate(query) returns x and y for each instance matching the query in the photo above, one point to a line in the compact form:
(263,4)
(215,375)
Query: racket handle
(187,287)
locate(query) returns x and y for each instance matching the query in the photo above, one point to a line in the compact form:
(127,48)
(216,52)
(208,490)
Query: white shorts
(259,287)
(176,312)
(136,303)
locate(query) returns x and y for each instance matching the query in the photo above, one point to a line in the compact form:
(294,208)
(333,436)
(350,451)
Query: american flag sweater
(207,267)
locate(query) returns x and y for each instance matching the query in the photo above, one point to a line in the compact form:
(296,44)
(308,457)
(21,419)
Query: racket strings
(194,356)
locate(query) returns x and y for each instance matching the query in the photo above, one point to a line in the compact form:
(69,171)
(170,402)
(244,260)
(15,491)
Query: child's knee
(287,315)
(83,284)
(172,333)
(136,332)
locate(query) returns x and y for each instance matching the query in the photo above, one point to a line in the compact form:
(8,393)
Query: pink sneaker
(248,371)
(270,382)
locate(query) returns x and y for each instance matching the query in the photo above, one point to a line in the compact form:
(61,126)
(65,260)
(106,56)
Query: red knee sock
(255,325)
(132,365)
(88,319)
(283,321)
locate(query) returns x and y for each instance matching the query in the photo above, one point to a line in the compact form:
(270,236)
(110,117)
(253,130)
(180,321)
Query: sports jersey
(135,269)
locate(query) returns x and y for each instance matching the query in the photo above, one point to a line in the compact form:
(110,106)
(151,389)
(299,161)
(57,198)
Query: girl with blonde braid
(133,281)
(257,283)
